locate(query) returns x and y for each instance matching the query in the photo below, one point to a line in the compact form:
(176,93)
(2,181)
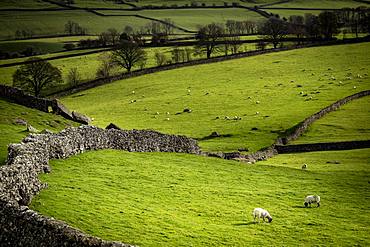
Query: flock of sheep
(259,213)
(264,214)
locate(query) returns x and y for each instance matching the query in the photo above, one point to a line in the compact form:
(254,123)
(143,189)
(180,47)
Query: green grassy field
(184,2)
(287,13)
(4,4)
(277,86)
(44,23)
(41,46)
(192,18)
(161,199)
(98,4)
(10,132)
(349,123)
(38,47)
(329,4)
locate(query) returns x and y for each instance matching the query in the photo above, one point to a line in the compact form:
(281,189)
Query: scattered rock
(243,149)
(62,110)
(81,118)
(20,121)
(31,129)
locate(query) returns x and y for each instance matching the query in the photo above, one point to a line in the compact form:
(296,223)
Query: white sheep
(260,212)
(312,199)
(304,166)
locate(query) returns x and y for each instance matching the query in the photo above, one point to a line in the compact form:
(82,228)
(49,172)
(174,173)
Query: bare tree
(73,28)
(160,58)
(105,67)
(189,53)
(275,30)
(113,36)
(328,24)
(296,26)
(167,26)
(128,54)
(312,25)
(208,38)
(179,55)
(73,77)
(36,75)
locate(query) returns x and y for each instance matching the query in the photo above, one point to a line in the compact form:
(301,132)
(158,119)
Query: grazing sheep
(312,199)
(257,102)
(260,212)
(304,166)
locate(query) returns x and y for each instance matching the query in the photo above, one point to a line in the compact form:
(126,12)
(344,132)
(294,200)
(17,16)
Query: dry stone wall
(300,128)
(328,146)
(19,182)
(280,144)
(46,105)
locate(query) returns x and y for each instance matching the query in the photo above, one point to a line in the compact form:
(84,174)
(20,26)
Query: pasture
(321,4)
(270,93)
(43,23)
(198,16)
(349,123)
(40,45)
(172,199)
(152,199)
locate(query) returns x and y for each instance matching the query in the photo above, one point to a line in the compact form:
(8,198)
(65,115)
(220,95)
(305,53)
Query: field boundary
(296,131)
(19,179)
(323,146)
(46,105)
